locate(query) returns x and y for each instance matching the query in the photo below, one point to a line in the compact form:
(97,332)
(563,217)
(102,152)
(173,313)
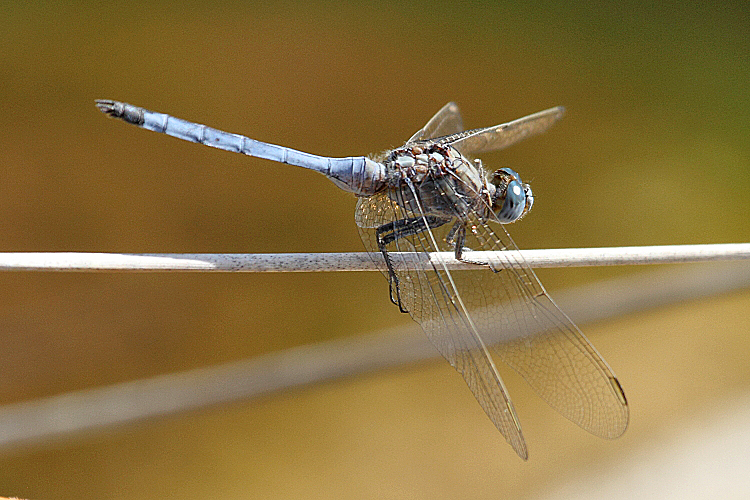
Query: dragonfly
(434,195)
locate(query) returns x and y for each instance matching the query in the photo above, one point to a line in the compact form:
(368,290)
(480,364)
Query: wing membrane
(526,329)
(509,311)
(445,122)
(433,301)
(504,307)
(483,140)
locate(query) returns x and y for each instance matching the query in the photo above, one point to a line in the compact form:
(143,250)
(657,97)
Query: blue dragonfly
(434,195)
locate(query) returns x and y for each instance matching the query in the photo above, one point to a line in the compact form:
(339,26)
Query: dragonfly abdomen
(357,174)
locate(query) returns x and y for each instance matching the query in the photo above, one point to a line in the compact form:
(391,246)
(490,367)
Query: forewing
(430,296)
(445,122)
(482,140)
(527,330)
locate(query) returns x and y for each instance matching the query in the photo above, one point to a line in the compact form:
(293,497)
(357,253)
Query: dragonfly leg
(388,233)
(456,238)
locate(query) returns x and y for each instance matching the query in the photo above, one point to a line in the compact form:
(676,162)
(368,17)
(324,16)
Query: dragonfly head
(512,199)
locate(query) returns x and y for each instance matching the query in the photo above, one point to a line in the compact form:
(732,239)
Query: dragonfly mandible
(433,195)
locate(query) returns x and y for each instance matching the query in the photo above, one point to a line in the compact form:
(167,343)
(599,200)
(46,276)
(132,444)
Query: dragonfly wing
(483,140)
(526,329)
(429,294)
(445,122)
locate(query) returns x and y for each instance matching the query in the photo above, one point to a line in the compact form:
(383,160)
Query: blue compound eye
(508,171)
(514,204)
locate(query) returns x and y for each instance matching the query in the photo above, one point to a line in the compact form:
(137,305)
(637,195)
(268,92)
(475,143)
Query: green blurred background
(654,150)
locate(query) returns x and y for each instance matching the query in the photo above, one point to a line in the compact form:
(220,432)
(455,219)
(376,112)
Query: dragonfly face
(512,198)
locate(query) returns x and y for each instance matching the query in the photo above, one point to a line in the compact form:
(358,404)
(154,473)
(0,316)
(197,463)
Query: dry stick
(306,262)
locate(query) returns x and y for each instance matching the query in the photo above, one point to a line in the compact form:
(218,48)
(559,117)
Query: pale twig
(55,417)
(310,262)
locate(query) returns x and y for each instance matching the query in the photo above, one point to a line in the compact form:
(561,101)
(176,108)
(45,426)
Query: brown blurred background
(654,150)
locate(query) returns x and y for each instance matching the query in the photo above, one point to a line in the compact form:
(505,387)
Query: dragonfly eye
(512,199)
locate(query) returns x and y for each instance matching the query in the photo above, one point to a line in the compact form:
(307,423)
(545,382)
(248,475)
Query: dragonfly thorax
(447,183)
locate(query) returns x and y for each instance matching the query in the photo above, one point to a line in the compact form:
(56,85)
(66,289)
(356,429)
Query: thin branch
(310,262)
(41,420)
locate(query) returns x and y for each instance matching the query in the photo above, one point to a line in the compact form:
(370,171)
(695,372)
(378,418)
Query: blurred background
(654,150)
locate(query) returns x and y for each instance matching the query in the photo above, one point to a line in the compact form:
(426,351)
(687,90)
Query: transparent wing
(508,309)
(445,122)
(430,296)
(482,140)
(526,329)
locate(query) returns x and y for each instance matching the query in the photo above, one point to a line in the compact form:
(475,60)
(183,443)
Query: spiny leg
(457,238)
(392,231)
